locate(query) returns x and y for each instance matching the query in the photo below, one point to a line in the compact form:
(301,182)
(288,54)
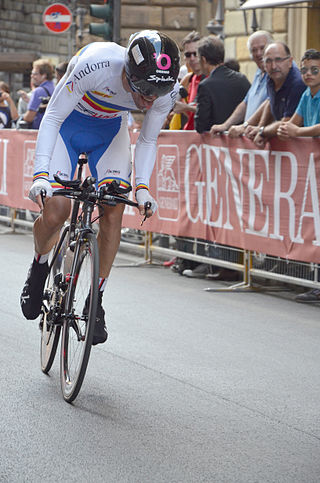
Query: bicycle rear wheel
(50,329)
(78,327)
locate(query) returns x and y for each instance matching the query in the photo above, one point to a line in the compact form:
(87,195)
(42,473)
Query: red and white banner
(217,189)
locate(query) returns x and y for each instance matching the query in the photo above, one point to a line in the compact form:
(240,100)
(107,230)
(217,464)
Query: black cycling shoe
(100,334)
(32,292)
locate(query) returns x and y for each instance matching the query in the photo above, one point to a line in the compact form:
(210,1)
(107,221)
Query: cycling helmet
(152,63)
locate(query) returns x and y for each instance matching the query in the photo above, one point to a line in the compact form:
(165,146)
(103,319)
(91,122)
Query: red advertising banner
(17,149)
(217,189)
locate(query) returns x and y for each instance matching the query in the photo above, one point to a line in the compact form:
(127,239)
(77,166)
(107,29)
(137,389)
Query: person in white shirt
(247,112)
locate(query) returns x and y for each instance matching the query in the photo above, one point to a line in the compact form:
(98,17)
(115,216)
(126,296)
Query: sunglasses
(188,54)
(314,70)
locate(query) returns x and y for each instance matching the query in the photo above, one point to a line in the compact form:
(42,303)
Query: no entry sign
(57,18)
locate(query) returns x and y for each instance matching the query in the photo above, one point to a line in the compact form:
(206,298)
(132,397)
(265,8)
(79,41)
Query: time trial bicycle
(71,290)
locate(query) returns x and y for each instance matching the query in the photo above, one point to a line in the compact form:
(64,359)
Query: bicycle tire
(78,327)
(50,333)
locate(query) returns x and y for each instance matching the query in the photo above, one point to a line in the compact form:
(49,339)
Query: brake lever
(147,206)
(43,194)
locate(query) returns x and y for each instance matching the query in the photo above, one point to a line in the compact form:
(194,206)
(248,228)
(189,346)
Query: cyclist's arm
(145,153)
(63,101)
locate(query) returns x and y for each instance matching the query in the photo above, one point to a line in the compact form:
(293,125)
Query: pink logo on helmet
(159,59)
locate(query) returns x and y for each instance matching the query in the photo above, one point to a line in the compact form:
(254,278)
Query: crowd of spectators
(284,88)
(276,104)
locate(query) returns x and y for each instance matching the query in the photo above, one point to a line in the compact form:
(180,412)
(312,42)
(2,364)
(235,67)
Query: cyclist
(88,112)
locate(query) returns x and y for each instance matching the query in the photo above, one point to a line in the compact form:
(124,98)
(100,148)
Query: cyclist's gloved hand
(38,185)
(142,196)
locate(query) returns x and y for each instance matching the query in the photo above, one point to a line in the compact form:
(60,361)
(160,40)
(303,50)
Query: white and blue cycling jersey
(88,112)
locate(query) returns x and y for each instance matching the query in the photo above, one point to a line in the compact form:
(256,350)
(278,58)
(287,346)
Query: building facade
(24,37)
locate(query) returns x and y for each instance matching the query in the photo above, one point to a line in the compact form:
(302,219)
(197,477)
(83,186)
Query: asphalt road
(191,386)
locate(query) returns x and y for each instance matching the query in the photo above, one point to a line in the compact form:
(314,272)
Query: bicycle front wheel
(80,318)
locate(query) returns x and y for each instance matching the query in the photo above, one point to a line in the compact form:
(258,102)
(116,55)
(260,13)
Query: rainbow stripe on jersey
(123,182)
(40,174)
(102,106)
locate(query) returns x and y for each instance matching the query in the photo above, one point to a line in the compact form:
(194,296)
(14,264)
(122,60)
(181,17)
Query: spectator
(42,75)
(284,87)
(255,96)
(306,122)
(191,81)
(61,70)
(222,91)
(217,97)
(306,119)
(186,108)
(8,110)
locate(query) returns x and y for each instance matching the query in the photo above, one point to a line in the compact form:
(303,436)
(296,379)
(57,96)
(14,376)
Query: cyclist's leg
(111,160)
(46,229)
(109,237)
(113,163)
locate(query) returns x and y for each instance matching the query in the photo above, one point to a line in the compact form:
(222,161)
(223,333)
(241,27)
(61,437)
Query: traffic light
(105,12)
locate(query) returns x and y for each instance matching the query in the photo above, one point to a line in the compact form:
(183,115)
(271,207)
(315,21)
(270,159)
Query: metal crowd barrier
(251,265)
(152,246)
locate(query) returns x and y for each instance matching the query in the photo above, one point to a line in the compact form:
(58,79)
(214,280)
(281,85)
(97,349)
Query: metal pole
(219,18)
(116,21)
(254,24)
(72,43)
(80,13)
